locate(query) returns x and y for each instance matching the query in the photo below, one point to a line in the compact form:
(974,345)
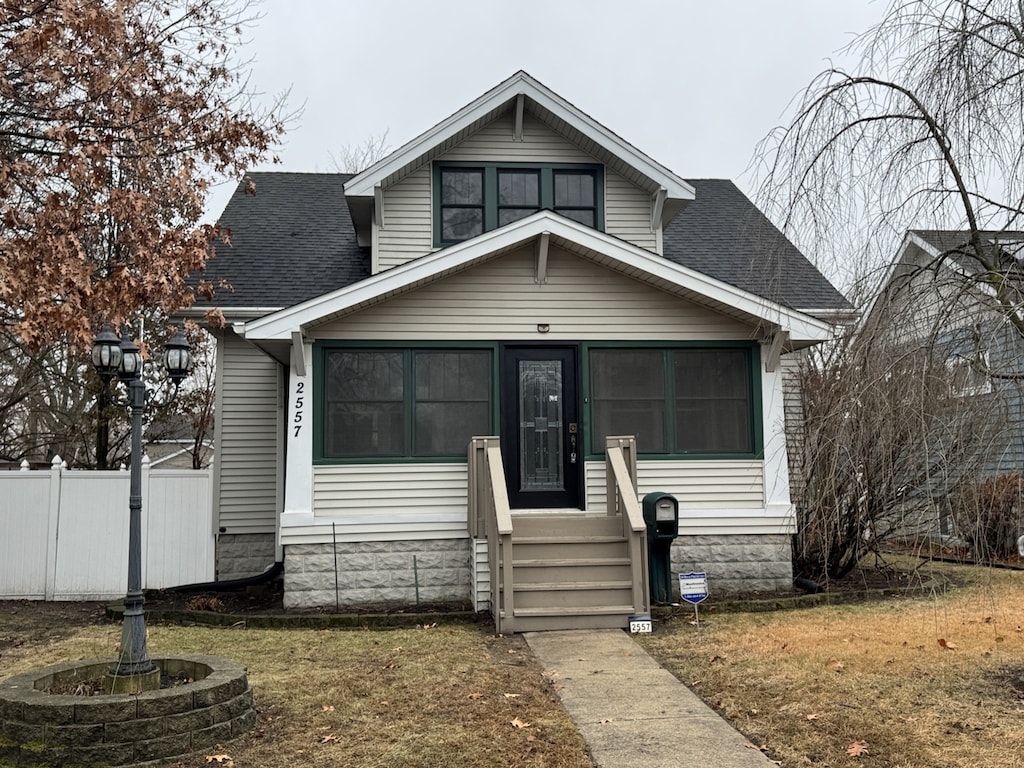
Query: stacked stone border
(58,731)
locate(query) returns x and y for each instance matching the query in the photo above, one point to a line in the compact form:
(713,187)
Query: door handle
(573,431)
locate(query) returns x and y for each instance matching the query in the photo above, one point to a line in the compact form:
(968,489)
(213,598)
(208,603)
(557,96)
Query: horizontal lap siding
(247,432)
(502,300)
(407,231)
(385,502)
(698,484)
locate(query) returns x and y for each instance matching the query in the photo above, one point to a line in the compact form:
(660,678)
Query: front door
(540,429)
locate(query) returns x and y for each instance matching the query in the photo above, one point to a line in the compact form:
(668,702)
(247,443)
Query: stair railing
(490,517)
(622,500)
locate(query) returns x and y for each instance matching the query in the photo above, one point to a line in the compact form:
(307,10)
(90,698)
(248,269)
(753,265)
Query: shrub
(987,515)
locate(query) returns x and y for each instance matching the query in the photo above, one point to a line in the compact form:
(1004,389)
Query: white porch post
(777,502)
(298,489)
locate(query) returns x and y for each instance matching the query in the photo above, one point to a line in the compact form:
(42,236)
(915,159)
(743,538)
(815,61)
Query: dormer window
(471,199)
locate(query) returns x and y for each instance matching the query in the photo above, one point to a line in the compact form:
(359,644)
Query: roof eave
(802,327)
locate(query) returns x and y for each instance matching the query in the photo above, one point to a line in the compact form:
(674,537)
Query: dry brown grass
(439,696)
(924,681)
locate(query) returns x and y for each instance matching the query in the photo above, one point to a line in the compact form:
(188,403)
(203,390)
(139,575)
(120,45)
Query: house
(938,299)
(519,273)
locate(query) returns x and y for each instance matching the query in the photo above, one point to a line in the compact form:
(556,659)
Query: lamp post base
(144,681)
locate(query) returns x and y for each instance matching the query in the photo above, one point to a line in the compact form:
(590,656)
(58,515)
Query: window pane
(461,223)
(453,400)
(712,401)
(462,187)
(628,388)
(583,217)
(508,215)
(519,188)
(574,189)
(364,396)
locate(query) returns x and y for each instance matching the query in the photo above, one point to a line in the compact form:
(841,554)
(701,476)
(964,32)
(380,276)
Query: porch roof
(544,226)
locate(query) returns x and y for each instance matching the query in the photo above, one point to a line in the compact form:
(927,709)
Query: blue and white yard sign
(693,587)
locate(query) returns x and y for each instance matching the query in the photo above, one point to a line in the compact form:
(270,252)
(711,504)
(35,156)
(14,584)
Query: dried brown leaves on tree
(115,118)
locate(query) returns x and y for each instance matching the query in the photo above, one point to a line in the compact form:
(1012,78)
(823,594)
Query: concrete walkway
(631,712)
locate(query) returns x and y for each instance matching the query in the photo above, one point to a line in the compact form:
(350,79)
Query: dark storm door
(540,429)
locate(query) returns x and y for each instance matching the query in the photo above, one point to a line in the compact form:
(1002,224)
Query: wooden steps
(569,571)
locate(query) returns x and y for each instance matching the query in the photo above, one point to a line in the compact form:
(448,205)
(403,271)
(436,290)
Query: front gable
(518,128)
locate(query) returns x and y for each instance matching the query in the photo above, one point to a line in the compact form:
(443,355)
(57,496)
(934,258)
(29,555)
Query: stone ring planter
(42,729)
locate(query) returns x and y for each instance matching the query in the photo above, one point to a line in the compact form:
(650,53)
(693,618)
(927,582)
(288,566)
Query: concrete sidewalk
(631,712)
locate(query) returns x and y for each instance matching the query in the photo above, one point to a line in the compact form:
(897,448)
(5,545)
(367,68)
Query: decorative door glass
(540,425)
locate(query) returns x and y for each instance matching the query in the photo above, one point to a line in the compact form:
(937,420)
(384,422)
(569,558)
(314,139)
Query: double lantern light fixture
(134,671)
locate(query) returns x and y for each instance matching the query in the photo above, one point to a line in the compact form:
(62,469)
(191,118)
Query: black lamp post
(134,671)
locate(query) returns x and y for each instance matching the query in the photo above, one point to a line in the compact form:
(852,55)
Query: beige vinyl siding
(385,502)
(627,213)
(502,300)
(407,231)
(248,426)
(698,484)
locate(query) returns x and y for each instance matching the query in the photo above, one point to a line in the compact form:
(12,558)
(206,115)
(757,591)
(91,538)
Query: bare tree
(927,133)
(354,158)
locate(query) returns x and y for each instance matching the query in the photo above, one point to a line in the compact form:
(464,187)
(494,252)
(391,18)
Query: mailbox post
(661,513)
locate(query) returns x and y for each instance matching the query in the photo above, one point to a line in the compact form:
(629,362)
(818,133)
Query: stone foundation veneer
(736,563)
(376,572)
(244,554)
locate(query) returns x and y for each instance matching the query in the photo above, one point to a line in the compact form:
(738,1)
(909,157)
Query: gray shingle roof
(956,244)
(293,240)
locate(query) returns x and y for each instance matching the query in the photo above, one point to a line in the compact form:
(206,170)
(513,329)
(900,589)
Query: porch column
(776,467)
(298,481)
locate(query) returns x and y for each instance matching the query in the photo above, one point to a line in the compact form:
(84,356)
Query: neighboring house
(938,297)
(518,271)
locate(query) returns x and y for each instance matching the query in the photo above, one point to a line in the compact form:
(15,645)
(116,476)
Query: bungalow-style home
(939,297)
(452,375)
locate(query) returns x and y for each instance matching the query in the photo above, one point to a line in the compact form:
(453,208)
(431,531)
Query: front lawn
(918,681)
(431,696)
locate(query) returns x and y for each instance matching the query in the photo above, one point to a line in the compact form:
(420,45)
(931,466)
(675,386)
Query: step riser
(573,598)
(568,551)
(544,623)
(571,573)
(566,525)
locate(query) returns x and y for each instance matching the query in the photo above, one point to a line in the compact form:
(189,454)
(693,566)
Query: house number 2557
(297,418)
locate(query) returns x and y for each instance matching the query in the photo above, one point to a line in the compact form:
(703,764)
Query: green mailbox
(661,513)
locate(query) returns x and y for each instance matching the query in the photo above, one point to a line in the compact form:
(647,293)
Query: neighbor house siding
(501,300)
(406,233)
(248,425)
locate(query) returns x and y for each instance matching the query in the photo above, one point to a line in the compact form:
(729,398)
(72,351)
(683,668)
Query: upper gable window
(471,199)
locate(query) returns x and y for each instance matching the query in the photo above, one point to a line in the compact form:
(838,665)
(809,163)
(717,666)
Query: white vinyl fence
(64,533)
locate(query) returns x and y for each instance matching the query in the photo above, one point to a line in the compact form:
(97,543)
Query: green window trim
(410,401)
(547,173)
(754,412)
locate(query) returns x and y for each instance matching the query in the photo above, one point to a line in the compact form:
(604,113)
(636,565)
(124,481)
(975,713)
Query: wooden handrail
(490,515)
(623,482)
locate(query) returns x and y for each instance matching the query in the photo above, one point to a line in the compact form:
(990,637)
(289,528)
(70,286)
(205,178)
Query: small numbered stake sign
(693,587)
(640,625)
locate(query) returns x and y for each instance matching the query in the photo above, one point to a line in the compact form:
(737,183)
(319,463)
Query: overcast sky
(695,85)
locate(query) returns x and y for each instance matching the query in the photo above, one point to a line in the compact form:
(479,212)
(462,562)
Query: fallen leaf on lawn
(531,737)
(517,723)
(836,665)
(327,708)
(474,695)
(428,626)
(857,749)
(559,687)
(605,720)
(328,737)
(222,759)
(511,695)
(946,644)
(812,717)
